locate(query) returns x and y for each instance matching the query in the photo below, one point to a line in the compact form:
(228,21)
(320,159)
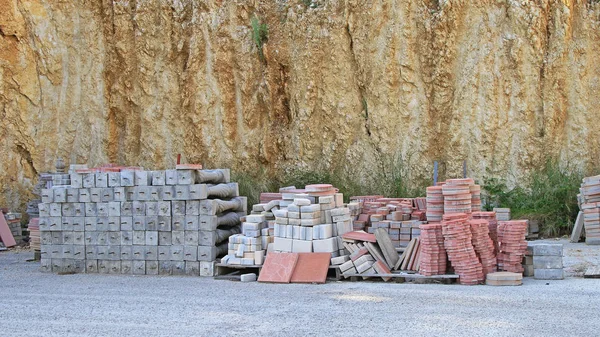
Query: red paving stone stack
(475,197)
(484,246)
(435,204)
(457,196)
(492,226)
(512,244)
(433,256)
(459,247)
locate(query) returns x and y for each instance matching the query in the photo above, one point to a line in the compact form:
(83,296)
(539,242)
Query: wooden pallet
(403,276)
(592,272)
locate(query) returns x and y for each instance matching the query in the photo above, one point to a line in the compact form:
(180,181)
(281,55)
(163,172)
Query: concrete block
(114,223)
(142,193)
(55,209)
(155,193)
(118,194)
(190,253)
(137,252)
(164,253)
(114,238)
(177,207)
(325,246)
(164,223)
(283,244)
(139,267)
(192,268)
(191,223)
(206,253)
(208,222)
(186,177)
(158,178)
(91,266)
(208,268)
(547,249)
(113,253)
(192,207)
(549,274)
(151,223)
(167,193)
(107,195)
(142,178)
(114,208)
(302,246)
(259,257)
(114,179)
(89,180)
(126,238)
(248,277)
(126,267)
(207,238)
(547,262)
(139,223)
(182,192)
(176,253)
(164,238)
(151,252)
(139,238)
(84,195)
(151,267)
(151,238)
(151,208)
(178,268)
(138,208)
(78,209)
(198,191)
(165,268)
(47,195)
(95,194)
(178,222)
(171,177)
(164,208)
(191,238)
(102,209)
(60,195)
(126,178)
(340,260)
(177,237)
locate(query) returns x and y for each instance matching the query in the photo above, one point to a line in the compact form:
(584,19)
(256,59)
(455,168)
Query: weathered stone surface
(341,86)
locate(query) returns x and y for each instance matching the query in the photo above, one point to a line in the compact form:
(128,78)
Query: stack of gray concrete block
(139,222)
(547,261)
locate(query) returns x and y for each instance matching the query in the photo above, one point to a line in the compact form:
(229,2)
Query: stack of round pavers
(492,226)
(457,241)
(512,245)
(484,246)
(457,196)
(433,256)
(435,204)
(475,197)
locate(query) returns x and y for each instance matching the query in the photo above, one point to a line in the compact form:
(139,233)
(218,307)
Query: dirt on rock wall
(347,86)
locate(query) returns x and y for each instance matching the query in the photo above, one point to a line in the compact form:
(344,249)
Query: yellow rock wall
(343,86)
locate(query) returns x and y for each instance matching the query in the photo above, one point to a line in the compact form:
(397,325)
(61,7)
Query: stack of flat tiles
(502,214)
(433,254)
(266,197)
(459,247)
(126,220)
(484,246)
(590,205)
(34,233)
(490,217)
(512,245)
(475,197)
(14,223)
(435,204)
(457,196)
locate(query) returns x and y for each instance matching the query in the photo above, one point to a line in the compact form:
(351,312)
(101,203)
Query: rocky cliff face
(346,85)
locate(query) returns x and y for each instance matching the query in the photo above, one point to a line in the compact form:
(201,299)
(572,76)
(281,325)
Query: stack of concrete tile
(14,223)
(512,245)
(366,256)
(490,217)
(504,278)
(502,214)
(547,261)
(460,250)
(124,220)
(484,246)
(435,204)
(457,196)
(34,233)
(590,205)
(433,256)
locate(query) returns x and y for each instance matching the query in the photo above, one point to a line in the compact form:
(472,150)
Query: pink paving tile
(360,236)
(278,267)
(5,235)
(311,268)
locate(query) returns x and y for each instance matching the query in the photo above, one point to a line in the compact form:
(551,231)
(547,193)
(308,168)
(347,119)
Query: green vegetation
(260,35)
(550,196)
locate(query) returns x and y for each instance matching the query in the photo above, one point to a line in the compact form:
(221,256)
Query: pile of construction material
(547,260)
(459,247)
(452,196)
(512,245)
(590,205)
(13,220)
(370,255)
(311,220)
(400,217)
(126,220)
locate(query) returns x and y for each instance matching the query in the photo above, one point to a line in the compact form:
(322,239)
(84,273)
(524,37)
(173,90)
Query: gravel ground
(41,304)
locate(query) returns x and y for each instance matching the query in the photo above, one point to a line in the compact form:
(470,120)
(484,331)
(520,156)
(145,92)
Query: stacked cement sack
(133,221)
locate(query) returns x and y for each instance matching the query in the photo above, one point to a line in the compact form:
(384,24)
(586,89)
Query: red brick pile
(459,247)
(512,245)
(484,246)
(433,256)
(435,204)
(492,225)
